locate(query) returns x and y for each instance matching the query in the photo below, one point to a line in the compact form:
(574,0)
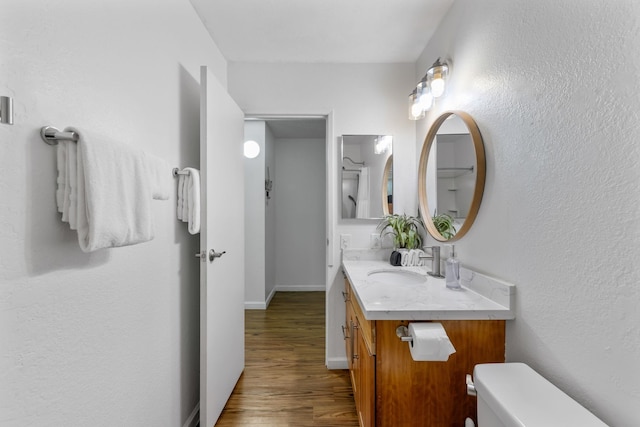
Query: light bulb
(437,87)
(251,149)
(416,109)
(383,144)
(426,99)
(436,76)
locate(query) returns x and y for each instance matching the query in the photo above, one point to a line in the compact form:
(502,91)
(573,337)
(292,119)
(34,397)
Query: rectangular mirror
(367,176)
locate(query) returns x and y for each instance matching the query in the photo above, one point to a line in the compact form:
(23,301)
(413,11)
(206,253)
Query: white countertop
(481,297)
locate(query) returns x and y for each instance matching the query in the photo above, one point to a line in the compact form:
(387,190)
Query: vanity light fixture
(430,87)
(383,144)
(425,98)
(436,76)
(415,109)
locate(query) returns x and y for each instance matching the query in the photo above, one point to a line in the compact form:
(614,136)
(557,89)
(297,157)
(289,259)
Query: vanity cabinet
(391,389)
(361,359)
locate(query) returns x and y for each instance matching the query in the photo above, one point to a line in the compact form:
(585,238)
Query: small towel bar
(177,172)
(52,135)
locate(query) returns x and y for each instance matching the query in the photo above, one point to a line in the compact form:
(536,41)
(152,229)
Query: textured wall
(109,338)
(555,89)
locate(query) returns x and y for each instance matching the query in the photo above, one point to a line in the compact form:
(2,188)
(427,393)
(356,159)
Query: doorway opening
(285,207)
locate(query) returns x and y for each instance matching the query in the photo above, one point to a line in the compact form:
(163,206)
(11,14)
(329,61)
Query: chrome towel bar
(52,135)
(177,172)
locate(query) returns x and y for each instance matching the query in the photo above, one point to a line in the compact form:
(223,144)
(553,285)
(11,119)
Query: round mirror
(451,176)
(387,187)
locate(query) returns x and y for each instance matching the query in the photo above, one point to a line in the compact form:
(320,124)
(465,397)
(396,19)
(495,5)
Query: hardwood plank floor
(285,381)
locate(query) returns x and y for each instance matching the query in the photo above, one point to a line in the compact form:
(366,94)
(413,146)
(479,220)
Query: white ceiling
(330,31)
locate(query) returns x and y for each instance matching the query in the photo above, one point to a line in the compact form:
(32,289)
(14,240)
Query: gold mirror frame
(478,145)
(387,208)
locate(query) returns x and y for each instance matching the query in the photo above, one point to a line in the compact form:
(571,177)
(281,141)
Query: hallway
(285,381)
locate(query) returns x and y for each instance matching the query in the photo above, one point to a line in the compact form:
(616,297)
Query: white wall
(555,90)
(299,200)
(254,218)
(108,338)
(363,99)
(270,219)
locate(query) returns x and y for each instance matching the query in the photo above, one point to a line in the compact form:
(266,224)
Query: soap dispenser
(452,270)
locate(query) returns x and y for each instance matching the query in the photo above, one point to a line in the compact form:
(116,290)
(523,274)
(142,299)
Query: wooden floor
(285,381)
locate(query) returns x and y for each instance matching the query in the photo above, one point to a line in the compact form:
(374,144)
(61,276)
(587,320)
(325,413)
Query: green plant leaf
(404,229)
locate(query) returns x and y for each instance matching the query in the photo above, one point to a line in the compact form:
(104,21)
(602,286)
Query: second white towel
(188,209)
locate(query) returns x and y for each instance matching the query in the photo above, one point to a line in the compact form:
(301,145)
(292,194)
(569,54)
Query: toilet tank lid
(521,397)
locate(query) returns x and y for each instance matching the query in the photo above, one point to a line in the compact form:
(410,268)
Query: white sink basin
(397,277)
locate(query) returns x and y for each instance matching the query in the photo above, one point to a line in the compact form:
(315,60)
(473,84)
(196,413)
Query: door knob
(213,254)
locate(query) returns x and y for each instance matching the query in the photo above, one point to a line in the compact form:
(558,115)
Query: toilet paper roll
(430,342)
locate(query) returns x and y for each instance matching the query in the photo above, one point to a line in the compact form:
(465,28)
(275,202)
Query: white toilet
(514,395)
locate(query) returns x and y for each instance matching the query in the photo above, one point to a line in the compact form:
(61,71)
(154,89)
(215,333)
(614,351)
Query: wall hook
(6,110)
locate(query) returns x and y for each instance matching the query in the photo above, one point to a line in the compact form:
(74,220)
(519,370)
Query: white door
(222,230)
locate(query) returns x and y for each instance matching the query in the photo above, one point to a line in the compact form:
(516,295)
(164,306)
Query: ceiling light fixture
(251,149)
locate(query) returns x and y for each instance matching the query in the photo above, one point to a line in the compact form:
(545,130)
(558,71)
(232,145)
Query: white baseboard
(270,296)
(337,363)
(255,305)
(308,288)
(194,418)
(260,305)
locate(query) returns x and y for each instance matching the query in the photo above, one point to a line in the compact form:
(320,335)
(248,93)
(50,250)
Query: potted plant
(444,224)
(404,229)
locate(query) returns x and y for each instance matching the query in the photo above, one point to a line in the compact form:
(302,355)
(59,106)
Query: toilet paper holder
(403,333)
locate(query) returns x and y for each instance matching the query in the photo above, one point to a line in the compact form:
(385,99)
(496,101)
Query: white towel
(66,193)
(61,181)
(67,187)
(185,199)
(192,190)
(362,202)
(160,176)
(113,194)
(181,195)
(72,181)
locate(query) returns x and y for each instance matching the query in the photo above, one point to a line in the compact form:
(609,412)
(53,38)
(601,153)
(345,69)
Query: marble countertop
(481,297)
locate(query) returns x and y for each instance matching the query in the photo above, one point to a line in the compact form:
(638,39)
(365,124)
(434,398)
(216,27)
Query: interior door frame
(331,171)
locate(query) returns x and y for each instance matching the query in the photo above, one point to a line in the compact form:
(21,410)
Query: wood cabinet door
(350,343)
(367,389)
(432,394)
